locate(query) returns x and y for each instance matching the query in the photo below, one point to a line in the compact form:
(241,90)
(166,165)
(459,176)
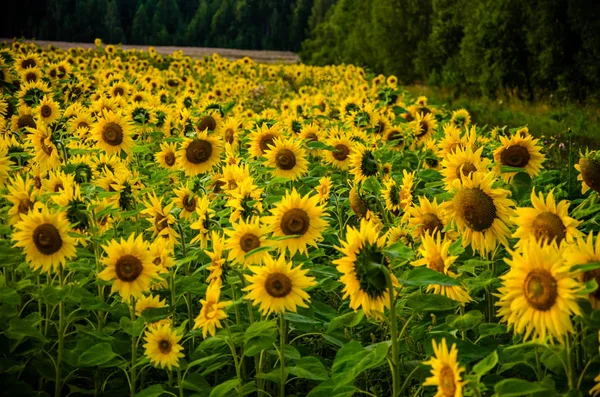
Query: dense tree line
(530,48)
(245,24)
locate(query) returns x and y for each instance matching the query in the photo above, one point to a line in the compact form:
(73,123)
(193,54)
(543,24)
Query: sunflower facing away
(445,370)
(44,237)
(538,294)
(519,151)
(363,164)
(245,237)
(585,251)
(212,311)
(363,278)
(546,221)
(434,251)
(300,217)
(286,158)
(278,286)
(480,212)
(129,264)
(589,173)
(162,346)
(200,154)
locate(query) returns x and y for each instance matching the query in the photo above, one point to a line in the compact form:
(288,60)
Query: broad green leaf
(468,321)
(9,296)
(96,355)
(153,314)
(491,329)
(517,387)
(586,267)
(224,388)
(309,368)
(352,359)
(351,319)
(152,391)
(430,303)
(21,328)
(486,365)
(423,276)
(399,252)
(329,389)
(260,328)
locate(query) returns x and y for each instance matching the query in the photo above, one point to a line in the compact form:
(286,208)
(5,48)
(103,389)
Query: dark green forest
(531,49)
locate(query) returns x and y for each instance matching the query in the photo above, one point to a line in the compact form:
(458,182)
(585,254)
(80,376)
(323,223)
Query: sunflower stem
(133,370)
(235,358)
(282,333)
(393,335)
(570,374)
(462,314)
(179,382)
(61,336)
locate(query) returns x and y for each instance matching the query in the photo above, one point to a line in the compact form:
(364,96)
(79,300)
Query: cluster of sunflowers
(210,195)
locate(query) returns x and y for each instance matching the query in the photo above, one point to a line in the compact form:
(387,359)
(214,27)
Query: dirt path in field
(194,52)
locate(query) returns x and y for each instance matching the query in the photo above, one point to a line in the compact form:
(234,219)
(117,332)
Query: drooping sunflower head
(278,287)
(212,311)
(519,151)
(589,172)
(362,268)
(162,346)
(480,211)
(287,158)
(445,370)
(546,222)
(538,294)
(297,216)
(363,163)
(461,118)
(357,203)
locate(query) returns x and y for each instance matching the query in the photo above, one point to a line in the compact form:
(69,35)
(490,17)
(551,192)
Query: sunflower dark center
(83,124)
(437,263)
(164,346)
(341,152)
(447,382)
(207,123)
(295,221)
(394,195)
(46,111)
(26,120)
(46,238)
(249,241)
(28,63)
(540,289)
(119,91)
(24,206)
(170,159)
(548,226)
(160,222)
(112,133)
(515,156)
(590,173)
(368,164)
(278,285)
(431,224)
(369,271)
(467,169)
(475,208)
(285,159)
(31,76)
(311,137)
(198,151)
(189,203)
(395,136)
(265,141)
(229,135)
(423,129)
(46,148)
(128,268)
(58,187)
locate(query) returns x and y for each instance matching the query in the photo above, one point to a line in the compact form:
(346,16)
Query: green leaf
(96,355)
(329,389)
(132,328)
(316,145)
(491,329)
(586,267)
(486,365)
(517,387)
(54,295)
(152,391)
(309,368)
(467,321)
(508,169)
(352,359)
(349,320)
(224,388)
(590,286)
(430,303)
(153,314)
(9,296)
(259,336)
(423,276)
(399,252)
(21,328)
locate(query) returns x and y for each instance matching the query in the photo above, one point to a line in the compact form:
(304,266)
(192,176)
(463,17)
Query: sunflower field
(209,227)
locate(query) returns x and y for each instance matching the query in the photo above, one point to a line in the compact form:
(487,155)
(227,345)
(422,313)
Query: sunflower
(166,157)
(22,196)
(23,119)
(5,164)
(361,267)
(212,311)
(311,133)
(287,158)
(453,139)
(211,122)
(151,302)
(46,153)
(48,110)
(406,189)
(244,200)
(538,294)
(245,237)
(463,162)
(461,118)
(585,251)
(426,218)
(391,195)
(200,154)
(231,131)
(396,138)
(278,286)
(217,259)
(324,189)
(340,157)
(589,172)
(358,205)
(519,152)
(546,221)
(202,223)
(300,217)
(423,127)
(129,264)
(112,133)
(262,138)
(44,237)
(363,164)
(162,219)
(445,371)
(186,201)
(480,212)
(232,174)
(434,252)
(162,346)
